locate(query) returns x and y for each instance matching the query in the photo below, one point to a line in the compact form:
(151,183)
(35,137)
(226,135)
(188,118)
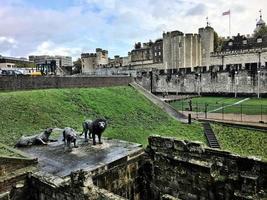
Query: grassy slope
(251,107)
(242,141)
(132,117)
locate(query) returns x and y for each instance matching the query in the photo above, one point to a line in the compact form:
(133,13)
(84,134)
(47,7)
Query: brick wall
(42,82)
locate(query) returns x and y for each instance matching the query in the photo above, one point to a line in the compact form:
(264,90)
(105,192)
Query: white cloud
(50,48)
(115,25)
(7,44)
(9,40)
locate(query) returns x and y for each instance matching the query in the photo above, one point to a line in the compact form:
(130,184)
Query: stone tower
(181,51)
(207,44)
(93,61)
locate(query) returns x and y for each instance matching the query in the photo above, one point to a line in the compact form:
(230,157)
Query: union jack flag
(226,13)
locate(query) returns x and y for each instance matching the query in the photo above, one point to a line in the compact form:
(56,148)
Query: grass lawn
(242,141)
(252,106)
(131,116)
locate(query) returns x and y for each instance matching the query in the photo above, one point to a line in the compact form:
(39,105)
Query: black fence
(227,112)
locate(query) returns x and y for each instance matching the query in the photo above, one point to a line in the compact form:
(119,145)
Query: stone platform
(57,160)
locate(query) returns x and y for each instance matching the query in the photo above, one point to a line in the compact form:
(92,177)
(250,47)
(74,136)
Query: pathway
(236,103)
(163,105)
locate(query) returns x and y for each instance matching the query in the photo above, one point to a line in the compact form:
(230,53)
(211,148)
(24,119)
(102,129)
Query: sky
(71,27)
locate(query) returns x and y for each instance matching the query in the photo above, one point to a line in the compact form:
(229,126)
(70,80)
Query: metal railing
(226,112)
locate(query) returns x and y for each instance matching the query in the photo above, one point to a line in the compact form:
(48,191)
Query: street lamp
(177,84)
(199,82)
(259,83)
(235,84)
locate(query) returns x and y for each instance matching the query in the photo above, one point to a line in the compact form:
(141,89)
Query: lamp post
(177,84)
(235,84)
(199,82)
(151,80)
(259,73)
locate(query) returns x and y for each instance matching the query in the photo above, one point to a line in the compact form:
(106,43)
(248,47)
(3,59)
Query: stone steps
(212,140)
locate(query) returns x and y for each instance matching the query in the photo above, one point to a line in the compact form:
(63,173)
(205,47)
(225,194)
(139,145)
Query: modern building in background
(12,62)
(52,64)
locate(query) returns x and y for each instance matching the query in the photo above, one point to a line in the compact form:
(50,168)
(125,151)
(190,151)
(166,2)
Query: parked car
(8,72)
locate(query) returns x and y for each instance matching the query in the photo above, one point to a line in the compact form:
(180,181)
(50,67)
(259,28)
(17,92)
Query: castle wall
(188,170)
(244,82)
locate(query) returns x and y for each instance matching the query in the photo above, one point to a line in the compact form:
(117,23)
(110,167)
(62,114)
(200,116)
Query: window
(259,40)
(245,42)
(159,53)
(230,43)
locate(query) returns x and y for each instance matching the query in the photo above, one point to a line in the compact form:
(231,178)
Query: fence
(227,112)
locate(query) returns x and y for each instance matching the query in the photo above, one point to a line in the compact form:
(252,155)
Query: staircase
(212,140)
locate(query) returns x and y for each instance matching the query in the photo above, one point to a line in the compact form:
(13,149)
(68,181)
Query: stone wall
(244,82)
(117,180)
(26,82)
(122,177)
(42,186)
(188,170)
(14,168)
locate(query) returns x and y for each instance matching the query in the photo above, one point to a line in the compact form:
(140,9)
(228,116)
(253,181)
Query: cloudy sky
(69,27)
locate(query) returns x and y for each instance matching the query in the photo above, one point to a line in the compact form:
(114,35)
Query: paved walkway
(236,103)
(163,105)
(252,120)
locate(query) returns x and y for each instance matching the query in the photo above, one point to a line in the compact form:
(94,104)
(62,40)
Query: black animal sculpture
(96,127)
(69,136)
(40,139)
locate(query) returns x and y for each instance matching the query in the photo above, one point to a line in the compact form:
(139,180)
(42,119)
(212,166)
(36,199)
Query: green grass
(250,107)
(242,141)
(131,116)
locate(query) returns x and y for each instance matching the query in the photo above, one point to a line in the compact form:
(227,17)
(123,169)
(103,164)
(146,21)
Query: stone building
(93,61)
(158,51)
(142,54)
(175,51)
(191,52)
(187,51)
(117,61)
(242,52)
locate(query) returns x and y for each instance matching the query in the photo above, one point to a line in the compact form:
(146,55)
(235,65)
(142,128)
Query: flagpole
(230,23)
